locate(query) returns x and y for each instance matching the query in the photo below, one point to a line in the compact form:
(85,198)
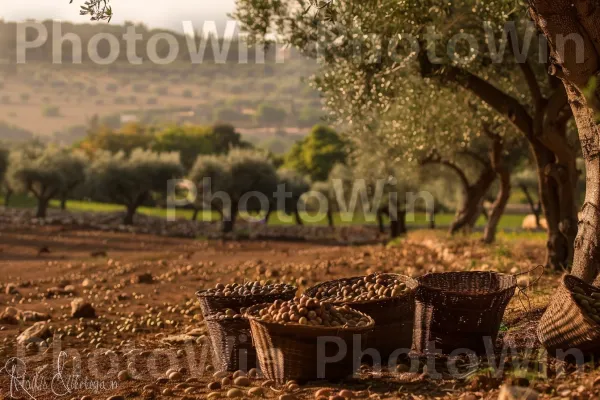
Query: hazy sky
(155,13)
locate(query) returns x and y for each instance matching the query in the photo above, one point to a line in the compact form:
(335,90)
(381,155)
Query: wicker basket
(231,343)
(460,310)
(211,305)
(564,325)
(231,337)
(394,317)
(290,352)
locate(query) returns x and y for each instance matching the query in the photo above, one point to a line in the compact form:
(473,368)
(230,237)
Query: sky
(154,13)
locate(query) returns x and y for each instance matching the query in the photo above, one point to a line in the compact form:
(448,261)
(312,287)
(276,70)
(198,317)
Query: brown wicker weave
(394,317)
(213,304)
(290,352)
(232,344)
(564,325)
(457,310)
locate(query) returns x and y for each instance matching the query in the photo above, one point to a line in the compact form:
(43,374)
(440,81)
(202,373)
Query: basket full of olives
(387,298)
(223,309)
(572,319)
(231,340)
(293,339)
(235,296)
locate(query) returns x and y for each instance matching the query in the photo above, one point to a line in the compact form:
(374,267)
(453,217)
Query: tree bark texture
(578,66)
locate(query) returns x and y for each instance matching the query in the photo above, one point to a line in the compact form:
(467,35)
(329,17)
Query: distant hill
(56,101)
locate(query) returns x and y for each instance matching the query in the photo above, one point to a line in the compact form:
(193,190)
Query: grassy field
(508,222)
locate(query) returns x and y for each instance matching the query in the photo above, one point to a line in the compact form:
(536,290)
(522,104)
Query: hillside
(266,101)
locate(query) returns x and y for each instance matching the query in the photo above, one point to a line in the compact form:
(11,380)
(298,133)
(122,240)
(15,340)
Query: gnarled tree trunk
(63,202)
(474,194)
(536,208)
(132,208)
(380,221)
(330,218)
(579,67)
(7,196)
(228,220)
(544,130)
(42,207)
(489,233)
(297,217)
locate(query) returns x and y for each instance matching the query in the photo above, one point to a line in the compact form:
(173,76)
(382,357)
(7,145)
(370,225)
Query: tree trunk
(229,220)
(535,208)
(559,210)
(268,215)
(402,222)
(7,197)
(63,202)
(297,216)
(503,173)
(394,228)
(128,219)
(489,233)
(432,220)
(380,221)
(467,215)
(42,207)
(195,214)
(544,131)
(330,218)
(474,194)
(559,19)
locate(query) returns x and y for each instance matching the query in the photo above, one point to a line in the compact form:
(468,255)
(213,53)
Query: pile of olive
(247,289)
(312,312)
(372,287)
(591,304)
(229,314)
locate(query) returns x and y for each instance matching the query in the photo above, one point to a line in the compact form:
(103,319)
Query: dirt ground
(148,320)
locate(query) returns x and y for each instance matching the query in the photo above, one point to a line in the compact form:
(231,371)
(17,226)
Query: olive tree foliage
(97,10)
(243,180)
(295,185)
(210,174)
(368,49)
(132,180)
(45,172)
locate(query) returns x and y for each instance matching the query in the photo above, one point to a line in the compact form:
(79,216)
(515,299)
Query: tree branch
(484,163)
(500,101)
(530,78)
(435,158)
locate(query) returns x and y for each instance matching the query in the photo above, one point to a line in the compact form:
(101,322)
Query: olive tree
(44,172)
(325,191)
(243,180)
(295,185)
(577,65)
(414,43)
(75,165)
(131,180)
(254,180)
(211,174)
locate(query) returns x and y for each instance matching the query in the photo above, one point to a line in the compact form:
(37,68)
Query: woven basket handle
(521,291)
(540,266)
